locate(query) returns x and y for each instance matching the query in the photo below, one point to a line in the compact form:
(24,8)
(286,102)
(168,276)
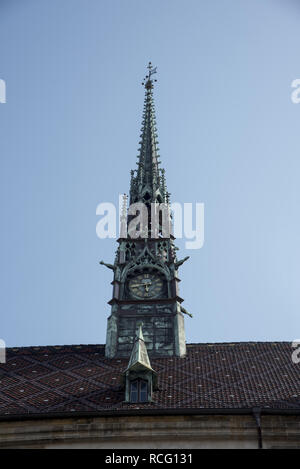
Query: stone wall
(155,432)
(158,330)
(163,329)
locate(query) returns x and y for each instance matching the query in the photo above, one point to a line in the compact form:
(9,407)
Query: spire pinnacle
(147,182)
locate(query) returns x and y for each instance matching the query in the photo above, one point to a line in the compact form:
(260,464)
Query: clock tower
(145,283)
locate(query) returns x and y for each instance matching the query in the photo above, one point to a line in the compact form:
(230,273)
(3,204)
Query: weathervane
(148,83)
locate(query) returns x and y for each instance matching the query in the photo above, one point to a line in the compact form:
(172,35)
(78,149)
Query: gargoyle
(184,311)
(109,266)
(178,263)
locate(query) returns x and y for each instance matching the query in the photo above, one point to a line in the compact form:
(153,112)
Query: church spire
(148,182)
(146,283)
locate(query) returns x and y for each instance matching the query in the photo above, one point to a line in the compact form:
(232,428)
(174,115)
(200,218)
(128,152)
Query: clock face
(146,285)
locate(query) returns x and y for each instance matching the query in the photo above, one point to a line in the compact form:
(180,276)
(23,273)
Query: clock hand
(145,284)
(139,284)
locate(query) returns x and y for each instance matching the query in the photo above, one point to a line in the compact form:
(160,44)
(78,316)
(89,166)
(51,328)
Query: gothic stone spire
(147,182)
(146,282)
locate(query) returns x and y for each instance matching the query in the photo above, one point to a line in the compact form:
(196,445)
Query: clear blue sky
(228,134)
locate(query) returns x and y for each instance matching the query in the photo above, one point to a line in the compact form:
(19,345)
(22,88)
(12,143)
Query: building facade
(147,388)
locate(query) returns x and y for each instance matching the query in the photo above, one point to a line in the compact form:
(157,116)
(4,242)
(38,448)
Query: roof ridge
(56,347)
(250,342)
(191,344)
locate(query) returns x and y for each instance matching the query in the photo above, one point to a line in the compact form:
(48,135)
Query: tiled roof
(78,378)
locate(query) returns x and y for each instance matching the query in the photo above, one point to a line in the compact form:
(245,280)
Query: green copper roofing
(148,181)
(139,356)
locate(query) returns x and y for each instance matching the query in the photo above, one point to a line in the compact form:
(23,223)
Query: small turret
(140,378)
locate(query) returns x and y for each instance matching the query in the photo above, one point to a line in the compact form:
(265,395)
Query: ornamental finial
(148,82)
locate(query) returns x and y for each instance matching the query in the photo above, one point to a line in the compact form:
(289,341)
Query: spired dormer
(140,378)
(145,283)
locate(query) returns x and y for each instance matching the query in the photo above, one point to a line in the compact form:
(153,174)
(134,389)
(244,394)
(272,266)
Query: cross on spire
(148,82)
